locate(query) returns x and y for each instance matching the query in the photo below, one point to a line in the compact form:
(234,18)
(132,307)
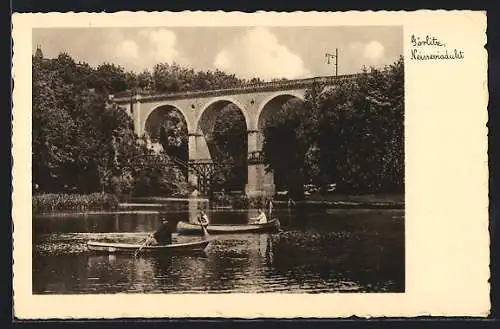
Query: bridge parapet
(143,96)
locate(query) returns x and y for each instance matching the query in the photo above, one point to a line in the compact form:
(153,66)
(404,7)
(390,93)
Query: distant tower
(38,52)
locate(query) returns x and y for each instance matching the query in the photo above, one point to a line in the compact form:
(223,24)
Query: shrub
(259,201)
(246,202)
(240,202)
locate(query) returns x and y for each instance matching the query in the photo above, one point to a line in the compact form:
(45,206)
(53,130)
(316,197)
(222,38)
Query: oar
(204,229)
(142,246)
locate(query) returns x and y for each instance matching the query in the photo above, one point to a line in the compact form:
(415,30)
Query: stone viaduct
(199,110)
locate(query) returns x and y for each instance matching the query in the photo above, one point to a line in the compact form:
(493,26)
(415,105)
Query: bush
(259,201)
(218,199)
(240,202)
(43,203)
(248,202)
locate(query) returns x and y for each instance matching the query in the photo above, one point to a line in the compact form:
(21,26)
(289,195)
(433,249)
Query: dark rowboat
(195,229)
(175,248)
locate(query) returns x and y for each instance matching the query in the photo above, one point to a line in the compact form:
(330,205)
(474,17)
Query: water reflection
(315,252)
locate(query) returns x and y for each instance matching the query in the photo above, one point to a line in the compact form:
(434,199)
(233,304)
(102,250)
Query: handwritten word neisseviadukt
(418,55)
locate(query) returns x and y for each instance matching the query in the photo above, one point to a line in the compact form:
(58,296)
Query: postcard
(226,164)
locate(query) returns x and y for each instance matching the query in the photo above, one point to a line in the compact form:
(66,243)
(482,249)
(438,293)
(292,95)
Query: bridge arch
(221,134)
(278,98)
(176,123)
(206,118)
(167,106)
(270,180)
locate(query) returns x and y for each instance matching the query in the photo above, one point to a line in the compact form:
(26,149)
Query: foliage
(173,136)
(82,143)
(44,203)
(167,78)
(240,202)
(351,134)
(287,141)
(158,176)
(229,142)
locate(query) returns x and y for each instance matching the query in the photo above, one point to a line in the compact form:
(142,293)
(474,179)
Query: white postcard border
(447,241)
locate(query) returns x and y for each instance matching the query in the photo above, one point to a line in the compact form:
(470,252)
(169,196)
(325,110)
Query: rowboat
(195,229)
(175,248)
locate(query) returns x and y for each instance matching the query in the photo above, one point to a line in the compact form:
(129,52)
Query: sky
(264,52)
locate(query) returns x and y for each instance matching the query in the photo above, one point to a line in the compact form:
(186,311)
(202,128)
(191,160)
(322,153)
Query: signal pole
(336,57)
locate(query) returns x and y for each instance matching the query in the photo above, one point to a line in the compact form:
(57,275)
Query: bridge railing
(255,157)
(265,86)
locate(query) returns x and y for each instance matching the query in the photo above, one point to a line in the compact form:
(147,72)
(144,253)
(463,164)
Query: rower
(162,236)
(203,220)
(261,217)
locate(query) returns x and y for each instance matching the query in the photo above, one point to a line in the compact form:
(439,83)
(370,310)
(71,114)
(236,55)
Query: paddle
(201,221)
(204,229)
(142,246)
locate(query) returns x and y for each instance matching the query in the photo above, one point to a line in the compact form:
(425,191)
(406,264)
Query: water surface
(316,251)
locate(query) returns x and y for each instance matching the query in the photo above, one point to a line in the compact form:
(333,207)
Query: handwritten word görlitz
(429,40)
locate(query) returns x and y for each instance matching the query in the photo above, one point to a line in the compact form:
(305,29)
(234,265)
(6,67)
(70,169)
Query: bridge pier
(135,112)
(198,151)
(259,181)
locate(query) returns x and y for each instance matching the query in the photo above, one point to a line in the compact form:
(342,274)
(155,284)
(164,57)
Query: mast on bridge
(336,57)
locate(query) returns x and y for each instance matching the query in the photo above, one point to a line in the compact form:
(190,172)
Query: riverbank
(367,201)
(334,201)
(74,203)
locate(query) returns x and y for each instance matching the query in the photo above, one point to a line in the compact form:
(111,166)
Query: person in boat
(203,219)
(163,235)
(270,206)
(261,217)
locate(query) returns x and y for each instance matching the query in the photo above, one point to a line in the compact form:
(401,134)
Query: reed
(53,202)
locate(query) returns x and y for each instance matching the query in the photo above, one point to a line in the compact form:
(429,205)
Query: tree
(361,134)
(230,144)
(52,128)
(79,140)
(287,141)
(350,134)
(173,136)
(111,78)
(145,80)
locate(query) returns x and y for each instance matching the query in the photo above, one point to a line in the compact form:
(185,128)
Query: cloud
(373,53)
(133,49)
(127,50)
(149,47)
(259,54)
(162,46)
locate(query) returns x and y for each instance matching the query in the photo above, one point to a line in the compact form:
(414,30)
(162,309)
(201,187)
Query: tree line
(351,135)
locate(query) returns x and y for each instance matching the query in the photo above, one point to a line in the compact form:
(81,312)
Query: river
(316,251)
